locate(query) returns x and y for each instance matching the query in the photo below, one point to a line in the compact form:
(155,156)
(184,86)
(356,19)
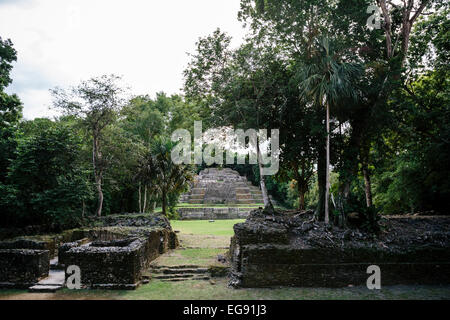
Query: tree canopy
(363,116)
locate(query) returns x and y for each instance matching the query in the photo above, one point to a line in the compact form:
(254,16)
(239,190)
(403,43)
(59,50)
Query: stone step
(183,270)
(246,201)
(244,197)
(186,279)
(242,191)
(198,191)
(55,278)
(181,266)
(241,185)
(197,196)
(195,201)
(173,276)
(44,288)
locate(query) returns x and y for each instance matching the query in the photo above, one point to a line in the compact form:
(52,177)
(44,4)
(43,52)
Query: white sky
(60,43)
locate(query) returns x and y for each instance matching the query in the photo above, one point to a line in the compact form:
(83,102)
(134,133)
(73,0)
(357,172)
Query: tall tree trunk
(327,184)
(145,200)
(140,203)
(367,185)
(387,26)
(301,200)
(96,159)
(98,183)
(84,210)
(266,199)
(321,179)
(164,203)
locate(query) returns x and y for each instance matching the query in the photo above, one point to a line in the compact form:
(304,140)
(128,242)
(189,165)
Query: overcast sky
(60,43)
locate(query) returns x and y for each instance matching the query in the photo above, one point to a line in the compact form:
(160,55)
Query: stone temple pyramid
(222,186)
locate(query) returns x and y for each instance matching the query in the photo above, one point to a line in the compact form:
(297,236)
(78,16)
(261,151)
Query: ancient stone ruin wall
(117,264)
(34,244)
(213,213)
(266,253)
(219,186)
(112,256)
(23,263)
(22,267)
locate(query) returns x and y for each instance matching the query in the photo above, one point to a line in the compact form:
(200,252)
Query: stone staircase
(222,186)
(179,273)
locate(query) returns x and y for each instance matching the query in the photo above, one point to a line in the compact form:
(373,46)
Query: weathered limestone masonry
(220,186)
(112,255)
(118,264)
(23,263)
(120,252)
(291,250)
(213,213)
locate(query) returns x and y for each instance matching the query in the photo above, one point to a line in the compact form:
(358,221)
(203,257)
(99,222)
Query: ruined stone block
(23,267)
(278,250)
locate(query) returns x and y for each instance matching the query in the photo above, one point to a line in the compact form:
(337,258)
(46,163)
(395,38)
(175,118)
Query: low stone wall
(20,268)
(34,244)
(278,251)
(225,213)
(65,247)
(117,264)
(112,254)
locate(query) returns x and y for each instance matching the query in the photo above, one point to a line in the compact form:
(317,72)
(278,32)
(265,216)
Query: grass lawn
(204,227)
(191,241)
(205,290)
(201,241)
(203,257)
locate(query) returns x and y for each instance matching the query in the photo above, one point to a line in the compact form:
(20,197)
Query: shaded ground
(204,290)
(201,242)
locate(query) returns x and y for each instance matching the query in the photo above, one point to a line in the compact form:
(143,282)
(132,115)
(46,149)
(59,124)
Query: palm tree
(326,80)
(164,176)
